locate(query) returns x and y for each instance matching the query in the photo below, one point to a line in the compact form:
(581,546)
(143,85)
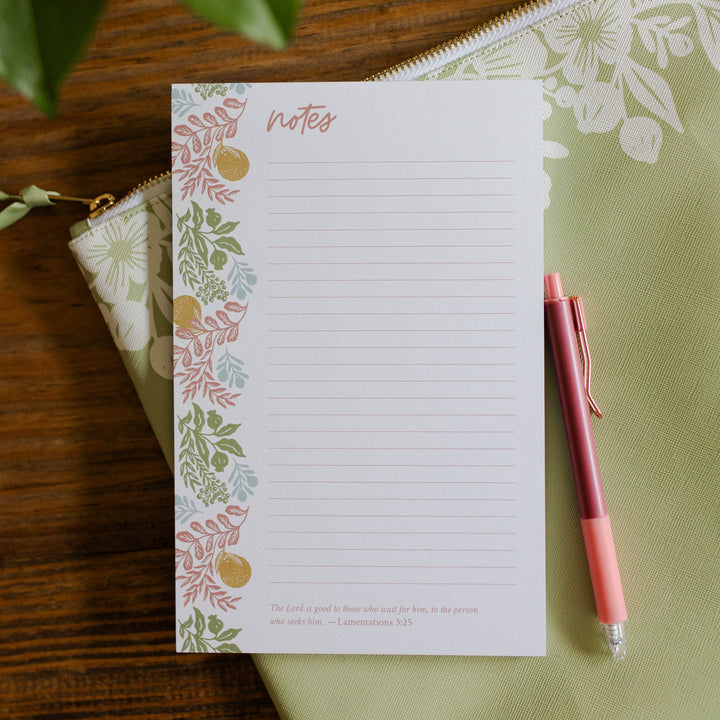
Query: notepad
(358,368)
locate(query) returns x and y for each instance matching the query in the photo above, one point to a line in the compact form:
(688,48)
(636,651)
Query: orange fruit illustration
(231,163)
(233,570)
(185,309)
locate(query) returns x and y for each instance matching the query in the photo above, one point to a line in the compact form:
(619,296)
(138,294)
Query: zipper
(128,198)
(110,206)
(499,28)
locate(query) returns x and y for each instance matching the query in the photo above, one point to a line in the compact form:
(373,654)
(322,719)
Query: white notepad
(359,368)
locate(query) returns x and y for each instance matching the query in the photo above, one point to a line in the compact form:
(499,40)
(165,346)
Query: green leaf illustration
(231,446)
(206,635)
(199,622)
(205,447)
(203,250)
(228,429)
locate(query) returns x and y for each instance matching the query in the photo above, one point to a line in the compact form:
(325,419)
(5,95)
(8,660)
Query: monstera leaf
(41,40)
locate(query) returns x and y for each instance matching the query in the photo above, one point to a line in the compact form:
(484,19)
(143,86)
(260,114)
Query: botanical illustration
(205,245)
(205,635)
(200,156)
(207,447)
(194,352)
(185,101)
(203,563)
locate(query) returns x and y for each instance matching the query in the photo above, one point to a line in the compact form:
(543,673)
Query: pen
(565,322)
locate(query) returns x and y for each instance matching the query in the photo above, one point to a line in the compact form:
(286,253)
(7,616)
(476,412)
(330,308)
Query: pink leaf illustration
(198,578)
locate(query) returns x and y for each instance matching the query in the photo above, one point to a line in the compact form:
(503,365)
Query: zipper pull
(33,196)
(96,206)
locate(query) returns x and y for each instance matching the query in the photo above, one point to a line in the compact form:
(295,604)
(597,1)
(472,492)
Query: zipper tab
(96,205)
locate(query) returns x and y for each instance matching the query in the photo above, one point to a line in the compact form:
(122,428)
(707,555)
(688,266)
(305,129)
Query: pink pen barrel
(604,572)
(599,545)
(575,410)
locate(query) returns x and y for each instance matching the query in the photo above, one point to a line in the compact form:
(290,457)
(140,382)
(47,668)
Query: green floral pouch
(125,256)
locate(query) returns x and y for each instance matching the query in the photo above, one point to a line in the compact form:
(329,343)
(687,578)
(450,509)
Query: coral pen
(565,324)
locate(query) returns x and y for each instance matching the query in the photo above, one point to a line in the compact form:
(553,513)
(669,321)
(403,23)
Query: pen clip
(580,328)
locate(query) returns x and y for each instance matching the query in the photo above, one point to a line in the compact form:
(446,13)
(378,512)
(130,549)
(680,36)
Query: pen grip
(575,409)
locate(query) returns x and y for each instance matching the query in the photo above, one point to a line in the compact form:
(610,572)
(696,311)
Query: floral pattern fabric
(127,264)
(607,62)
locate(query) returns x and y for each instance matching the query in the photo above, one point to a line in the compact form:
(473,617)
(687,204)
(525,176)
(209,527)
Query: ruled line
(399,567)
(355,414)
(397,482)
(303,381)
(389,297)
(384,247)
(391,347)
(364,397)
(443,517)
(398,179)
(388,229)
(386,549)
(404,365)
(359,582)
(390,314)
(402,499)
(395,449)
(391,195)
(392,330)
(383,532)
(434,431)
(394,213)
(393,280)
(399,262)
(464,161)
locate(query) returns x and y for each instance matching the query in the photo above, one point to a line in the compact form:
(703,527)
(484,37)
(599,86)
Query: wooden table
(86,502)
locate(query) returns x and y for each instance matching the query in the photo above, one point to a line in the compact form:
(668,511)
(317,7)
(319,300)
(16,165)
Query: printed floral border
(214,289)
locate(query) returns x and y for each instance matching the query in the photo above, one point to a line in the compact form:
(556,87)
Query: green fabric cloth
(632,224)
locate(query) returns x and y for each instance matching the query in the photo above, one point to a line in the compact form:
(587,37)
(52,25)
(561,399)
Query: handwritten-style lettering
(306,118)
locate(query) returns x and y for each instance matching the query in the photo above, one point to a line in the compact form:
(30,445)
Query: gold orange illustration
(231,163)
(233,570)
(185,309)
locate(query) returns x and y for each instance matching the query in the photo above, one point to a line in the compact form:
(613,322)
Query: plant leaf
(708,23)
(40,41)
(652,91)
(266,21)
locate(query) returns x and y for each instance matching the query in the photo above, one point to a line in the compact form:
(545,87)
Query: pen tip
(617,642)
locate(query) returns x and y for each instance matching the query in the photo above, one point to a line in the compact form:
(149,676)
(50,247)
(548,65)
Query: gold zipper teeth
(154,180)
(495,23)
(101,208)
(455,42)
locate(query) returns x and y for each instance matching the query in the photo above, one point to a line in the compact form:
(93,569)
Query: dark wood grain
(86,507)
